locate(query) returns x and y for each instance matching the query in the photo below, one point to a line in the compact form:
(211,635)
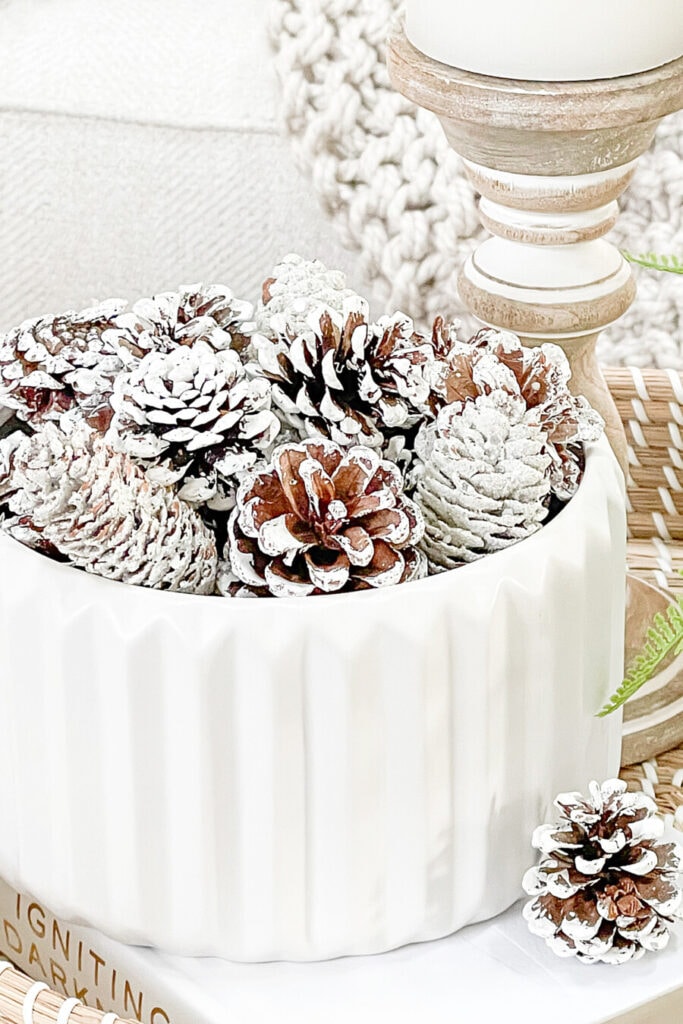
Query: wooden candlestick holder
(550,160)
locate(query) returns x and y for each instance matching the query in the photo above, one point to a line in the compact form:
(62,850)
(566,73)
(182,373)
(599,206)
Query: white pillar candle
(548,40)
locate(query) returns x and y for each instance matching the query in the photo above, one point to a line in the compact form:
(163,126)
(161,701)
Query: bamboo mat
(23,1001)
(658,563)
(650,404)
(662,779)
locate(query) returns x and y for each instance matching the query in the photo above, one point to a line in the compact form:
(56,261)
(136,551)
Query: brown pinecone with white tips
(607,889)
(295,289)
(320,520)
(496,360)
(346,378)
(192,407)
(101,512)
(51,364)
(208,313)
(483,482)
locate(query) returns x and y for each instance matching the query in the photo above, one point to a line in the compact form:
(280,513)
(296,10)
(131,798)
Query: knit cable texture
(396,193)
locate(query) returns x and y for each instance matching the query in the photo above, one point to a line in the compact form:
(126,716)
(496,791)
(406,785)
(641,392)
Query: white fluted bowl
(304,778)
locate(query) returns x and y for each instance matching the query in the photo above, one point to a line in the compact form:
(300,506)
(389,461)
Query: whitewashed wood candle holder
(550,160)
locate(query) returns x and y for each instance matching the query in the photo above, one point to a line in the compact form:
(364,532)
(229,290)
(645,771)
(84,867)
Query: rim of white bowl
(593,453)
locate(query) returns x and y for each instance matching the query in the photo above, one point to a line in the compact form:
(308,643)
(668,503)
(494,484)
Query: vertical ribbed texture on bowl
(303,779)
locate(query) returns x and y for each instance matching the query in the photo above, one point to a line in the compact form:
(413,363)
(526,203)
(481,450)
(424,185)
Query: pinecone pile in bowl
(196,443)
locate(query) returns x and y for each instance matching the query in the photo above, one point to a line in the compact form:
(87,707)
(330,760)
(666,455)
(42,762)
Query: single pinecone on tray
(496,360)
(51,364)
(321,519)
(607,889)
(483,480)
(347,378)
(295,289)
(208,313)
(102,513)
(194,414)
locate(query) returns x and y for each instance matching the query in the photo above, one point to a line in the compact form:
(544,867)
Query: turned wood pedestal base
(550,161)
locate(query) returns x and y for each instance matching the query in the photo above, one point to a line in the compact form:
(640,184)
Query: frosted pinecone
(296,288)
(194,411)
(483,481)
(606,888)
(52,363)
(496,360)
(46,468)
(349,379)
(320,520)
(162,323)
(102,513)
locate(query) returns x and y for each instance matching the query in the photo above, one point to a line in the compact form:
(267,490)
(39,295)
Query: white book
(490,972)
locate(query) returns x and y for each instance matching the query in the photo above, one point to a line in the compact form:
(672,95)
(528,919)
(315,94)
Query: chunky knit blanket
(396,192)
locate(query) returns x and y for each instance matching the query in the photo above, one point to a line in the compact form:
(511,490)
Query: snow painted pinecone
(606,889)
(349,379)
(193,407)
(496,360)
(321,519)
(49,364)
(45,468)
(162,323)
(295,289)
(483,481)
(102,513)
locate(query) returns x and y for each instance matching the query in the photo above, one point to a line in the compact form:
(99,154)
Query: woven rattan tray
(650,403)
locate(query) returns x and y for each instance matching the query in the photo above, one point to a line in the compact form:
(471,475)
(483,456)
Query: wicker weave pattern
(650,403)
(657,563)
(662,779)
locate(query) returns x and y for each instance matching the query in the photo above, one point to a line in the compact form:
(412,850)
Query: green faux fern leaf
(665,636)
(670,264)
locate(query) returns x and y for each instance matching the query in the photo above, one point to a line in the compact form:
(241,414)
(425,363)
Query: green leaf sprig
(669,264)
(664,637)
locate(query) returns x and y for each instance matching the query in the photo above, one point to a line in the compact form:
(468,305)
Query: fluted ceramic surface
(305,778)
